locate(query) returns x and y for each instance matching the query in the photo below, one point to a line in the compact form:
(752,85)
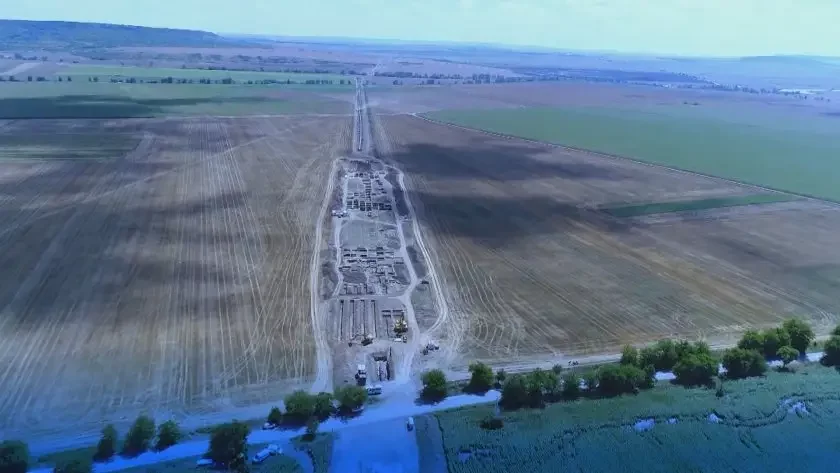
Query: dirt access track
(532,272)
(158,266)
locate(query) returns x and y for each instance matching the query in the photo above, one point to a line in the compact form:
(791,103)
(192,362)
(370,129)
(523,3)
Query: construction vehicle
(400,326)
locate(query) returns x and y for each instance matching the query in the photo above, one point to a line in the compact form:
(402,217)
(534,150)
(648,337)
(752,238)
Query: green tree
(311,428)
(73,466)
(557,369)
(571,386)
(169,433)
(275,416)
(695,369)
(774,339)
(741,363)
(801,334)
(300,406)
(630,355)
(350,398)
(323,405)
(590,379)
(515,392)
(481,379)
(107,446)
(434,386)
(831,351)
(14,456)
(500,378)
(614,380)
(228,445)
(752,340)
(139,436)
(787,354)
(836,331)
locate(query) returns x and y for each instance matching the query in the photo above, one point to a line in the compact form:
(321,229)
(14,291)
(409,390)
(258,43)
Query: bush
(515,392)
(275,416)
(323,405)
(228,445)
(787,354)
(831,351)
(557,369)
(571,386)
(543,384)
(614,380)
(300,406)
(107,446)
(696,369)
(434,386)
(629,355)
(774,339)
(14,457)
(752,340)
(492,423)
(350,398)
(139,436)
(741,363)
(73,466)
(481,380)
(168,435)
(665,354)
(801,334)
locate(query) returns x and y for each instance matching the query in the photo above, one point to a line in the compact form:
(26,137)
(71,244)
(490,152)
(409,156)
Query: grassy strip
(637,210)
(55,458)
(757,427)
(319,450)
(758,151)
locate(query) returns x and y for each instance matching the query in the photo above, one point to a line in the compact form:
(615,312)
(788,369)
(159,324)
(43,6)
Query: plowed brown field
(530,269)
(169,276)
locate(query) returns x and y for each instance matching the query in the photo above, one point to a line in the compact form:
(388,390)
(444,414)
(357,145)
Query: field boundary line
(627,158)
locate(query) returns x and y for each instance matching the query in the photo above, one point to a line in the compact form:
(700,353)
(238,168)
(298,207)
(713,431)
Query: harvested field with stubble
(167,279)
(531,268)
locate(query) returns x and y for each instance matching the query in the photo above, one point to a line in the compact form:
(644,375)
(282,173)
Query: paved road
(389,414)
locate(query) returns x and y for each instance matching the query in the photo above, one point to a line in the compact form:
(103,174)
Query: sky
(673,27)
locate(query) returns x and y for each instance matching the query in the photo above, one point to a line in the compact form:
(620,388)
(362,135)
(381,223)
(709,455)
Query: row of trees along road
(14,455)
(693,364)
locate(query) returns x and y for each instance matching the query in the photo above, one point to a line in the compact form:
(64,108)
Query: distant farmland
(82,99)
(768,154)
(86,70)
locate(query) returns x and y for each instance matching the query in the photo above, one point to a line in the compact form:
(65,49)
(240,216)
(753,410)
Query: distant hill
(17,34)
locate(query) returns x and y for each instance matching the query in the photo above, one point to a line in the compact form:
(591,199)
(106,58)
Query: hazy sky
(689,27)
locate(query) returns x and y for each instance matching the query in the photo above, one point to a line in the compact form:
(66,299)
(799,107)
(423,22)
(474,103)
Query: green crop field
(82,99)
(783,422)
(769,152)
(636,210)
(103,71)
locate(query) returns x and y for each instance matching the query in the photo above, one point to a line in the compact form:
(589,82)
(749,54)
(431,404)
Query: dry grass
(173,279)
(531,270)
